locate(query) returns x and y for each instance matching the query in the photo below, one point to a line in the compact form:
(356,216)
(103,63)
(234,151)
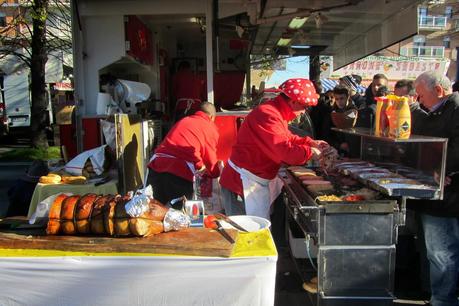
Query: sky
(296,67)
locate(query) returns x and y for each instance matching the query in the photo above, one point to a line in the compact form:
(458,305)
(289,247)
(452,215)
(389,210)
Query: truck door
(17,99)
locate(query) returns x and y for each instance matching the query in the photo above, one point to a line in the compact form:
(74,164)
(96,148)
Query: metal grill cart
(356,241)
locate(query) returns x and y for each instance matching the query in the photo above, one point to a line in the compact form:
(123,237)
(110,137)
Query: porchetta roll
(150,222)
(157,210)
(121,218)
(109,215)
(68,214)
(97,215)
(83,212)
(54,222)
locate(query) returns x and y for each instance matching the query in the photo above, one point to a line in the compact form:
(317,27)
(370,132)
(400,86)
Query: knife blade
(224,233)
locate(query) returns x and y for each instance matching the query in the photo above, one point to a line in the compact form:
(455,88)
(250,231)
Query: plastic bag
(214,203)
(108,128)
(95,156)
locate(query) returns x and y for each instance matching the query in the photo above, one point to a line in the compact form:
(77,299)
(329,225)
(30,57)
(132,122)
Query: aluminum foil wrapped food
(139,203)
(176,220)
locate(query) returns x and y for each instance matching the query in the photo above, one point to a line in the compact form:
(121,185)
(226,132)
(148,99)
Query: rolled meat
(54,222)
(68,214)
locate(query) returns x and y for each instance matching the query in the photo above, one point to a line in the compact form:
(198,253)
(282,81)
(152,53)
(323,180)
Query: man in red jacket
(264,142)
(190,147)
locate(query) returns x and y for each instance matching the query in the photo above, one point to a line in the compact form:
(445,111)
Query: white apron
(259,193)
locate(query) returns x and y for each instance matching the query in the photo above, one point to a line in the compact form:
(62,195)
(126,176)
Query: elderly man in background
(440,219)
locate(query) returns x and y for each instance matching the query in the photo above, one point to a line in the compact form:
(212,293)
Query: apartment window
(423,11)
(419,40)
(2,19)
(449,11)
(447,42)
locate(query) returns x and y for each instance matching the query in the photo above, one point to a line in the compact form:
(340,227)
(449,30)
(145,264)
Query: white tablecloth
(67,281)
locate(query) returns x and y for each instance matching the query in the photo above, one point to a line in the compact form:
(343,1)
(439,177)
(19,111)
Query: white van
(15,106)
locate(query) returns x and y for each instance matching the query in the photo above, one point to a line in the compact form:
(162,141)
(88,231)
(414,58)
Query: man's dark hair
(342,90)
(208,108)
(408,84)
(380,76)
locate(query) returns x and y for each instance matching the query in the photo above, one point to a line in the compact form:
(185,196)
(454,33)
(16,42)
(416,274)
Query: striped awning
(329,84)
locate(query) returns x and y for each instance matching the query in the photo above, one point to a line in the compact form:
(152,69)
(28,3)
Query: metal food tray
(337,207)
(404,190)
(421,191)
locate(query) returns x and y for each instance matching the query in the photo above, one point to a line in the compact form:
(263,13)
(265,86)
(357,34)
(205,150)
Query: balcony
(425,51)
(432,22)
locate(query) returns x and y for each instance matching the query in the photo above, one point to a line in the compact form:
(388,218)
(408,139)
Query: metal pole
(209,52)
(314,68)
(248,81)
(78,58)
(457,64)
(217,35)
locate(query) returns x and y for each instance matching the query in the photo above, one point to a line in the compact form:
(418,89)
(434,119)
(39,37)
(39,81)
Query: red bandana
(300,90)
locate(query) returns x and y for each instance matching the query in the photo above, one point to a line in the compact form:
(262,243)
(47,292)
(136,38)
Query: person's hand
(320,144)
(437,179)
(315,153)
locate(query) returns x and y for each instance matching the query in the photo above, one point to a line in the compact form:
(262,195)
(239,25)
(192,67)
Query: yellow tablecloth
(42,191)
(247,244)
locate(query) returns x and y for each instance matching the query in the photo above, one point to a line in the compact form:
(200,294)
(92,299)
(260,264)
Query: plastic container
(399,117)
(382,120)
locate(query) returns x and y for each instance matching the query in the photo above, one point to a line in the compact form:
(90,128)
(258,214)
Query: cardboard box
(298,246)
(64,114)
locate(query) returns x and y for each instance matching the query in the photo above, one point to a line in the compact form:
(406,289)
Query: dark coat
(335,138)
(417,115)
(367,110)
(358,100)
(317,114)
(444,123)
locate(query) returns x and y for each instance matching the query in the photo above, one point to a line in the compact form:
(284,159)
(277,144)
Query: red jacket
(193,139)
(264,142)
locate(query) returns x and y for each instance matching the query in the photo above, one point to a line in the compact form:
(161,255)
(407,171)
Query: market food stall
(352,215)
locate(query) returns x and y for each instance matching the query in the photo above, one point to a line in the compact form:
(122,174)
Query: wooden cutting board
(191,241)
